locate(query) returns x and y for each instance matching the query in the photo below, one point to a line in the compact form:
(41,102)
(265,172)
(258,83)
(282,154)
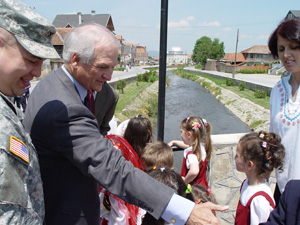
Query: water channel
(188,98)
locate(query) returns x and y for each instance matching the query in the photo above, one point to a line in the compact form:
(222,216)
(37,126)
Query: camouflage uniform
(21,193)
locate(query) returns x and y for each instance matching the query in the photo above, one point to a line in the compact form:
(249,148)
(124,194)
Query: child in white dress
(257,154)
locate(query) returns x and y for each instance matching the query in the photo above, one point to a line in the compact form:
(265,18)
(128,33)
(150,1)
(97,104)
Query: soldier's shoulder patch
(18,148)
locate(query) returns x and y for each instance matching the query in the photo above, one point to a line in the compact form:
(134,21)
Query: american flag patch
(19,149)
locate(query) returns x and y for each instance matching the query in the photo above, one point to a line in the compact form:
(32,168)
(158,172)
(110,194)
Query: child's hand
(171,143)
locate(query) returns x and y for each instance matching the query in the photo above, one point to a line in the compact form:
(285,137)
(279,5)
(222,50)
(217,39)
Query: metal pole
(236,45)
(162,70)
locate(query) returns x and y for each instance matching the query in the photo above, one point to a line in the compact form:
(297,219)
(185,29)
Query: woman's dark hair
(264,149)
(138,133)
(288,29)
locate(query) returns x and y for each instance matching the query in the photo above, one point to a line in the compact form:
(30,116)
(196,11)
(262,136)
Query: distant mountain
(153,54)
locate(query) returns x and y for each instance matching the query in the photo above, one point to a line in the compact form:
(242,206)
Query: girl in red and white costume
(257,154)
(196,140)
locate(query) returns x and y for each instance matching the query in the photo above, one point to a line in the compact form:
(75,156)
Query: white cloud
(181,24)
(210,24)
(190,18)
(263,36)
(227,29)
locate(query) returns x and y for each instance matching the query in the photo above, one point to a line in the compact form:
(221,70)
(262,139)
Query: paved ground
(262,79)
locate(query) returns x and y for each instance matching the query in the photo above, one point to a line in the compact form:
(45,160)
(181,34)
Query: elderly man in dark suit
(75,158)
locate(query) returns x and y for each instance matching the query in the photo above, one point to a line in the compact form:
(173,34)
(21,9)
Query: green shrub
(260,94)
(229,82)
(118,69)
(242,85)
(139,78)
(217,91)
(198,66)
(121,85)
(149,76)
(152,107)
(205,84)
(255,124)
(253,71)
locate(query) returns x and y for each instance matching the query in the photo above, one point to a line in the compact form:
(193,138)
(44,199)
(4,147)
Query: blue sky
(138,21)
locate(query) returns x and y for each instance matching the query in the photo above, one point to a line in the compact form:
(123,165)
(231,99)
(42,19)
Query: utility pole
(162,70)
(237,40)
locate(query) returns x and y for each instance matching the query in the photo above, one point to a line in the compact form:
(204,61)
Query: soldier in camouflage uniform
(25,41)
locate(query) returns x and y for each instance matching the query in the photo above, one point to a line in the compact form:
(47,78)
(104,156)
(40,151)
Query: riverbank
(255,116)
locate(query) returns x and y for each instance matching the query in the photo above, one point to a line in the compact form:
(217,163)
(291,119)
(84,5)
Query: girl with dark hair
(138,133)
(257,154)
(284,43)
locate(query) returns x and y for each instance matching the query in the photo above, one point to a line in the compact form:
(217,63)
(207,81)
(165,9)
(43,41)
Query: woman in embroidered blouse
(284,43)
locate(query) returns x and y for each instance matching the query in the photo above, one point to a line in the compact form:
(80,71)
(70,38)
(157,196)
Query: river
(188,98)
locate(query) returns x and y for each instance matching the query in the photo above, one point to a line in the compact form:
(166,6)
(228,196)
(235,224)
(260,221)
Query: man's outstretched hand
(202,214)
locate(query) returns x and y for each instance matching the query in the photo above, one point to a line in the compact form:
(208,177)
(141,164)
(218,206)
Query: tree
(205,49)
(121,85)
(217,49)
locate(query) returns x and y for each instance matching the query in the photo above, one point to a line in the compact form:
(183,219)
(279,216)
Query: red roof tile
(258,49)
(231,57)
(58,37)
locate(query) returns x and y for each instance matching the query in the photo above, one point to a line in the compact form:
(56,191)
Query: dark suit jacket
(74,158)
(105,105)
(288,210)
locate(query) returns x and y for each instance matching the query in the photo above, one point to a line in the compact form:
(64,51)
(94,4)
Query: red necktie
(89,101)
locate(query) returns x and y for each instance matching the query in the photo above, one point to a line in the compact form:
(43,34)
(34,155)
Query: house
(130,53)
(57,39)
(75,20)
(65,22)
(127,51)
(258,53)
(141,54)
(293,14)
(231,58)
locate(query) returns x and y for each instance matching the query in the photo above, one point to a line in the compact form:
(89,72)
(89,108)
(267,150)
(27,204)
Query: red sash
(201,177)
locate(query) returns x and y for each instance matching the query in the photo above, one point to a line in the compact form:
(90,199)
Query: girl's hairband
(187,119)
(208,191)
(262,136)
(198,201)
(195,125)
(204,122)
(188,189)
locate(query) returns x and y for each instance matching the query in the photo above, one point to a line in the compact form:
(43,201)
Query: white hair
(82,41)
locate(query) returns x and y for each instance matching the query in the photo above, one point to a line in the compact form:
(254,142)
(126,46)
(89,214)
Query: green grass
(248,94)
(131,91)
